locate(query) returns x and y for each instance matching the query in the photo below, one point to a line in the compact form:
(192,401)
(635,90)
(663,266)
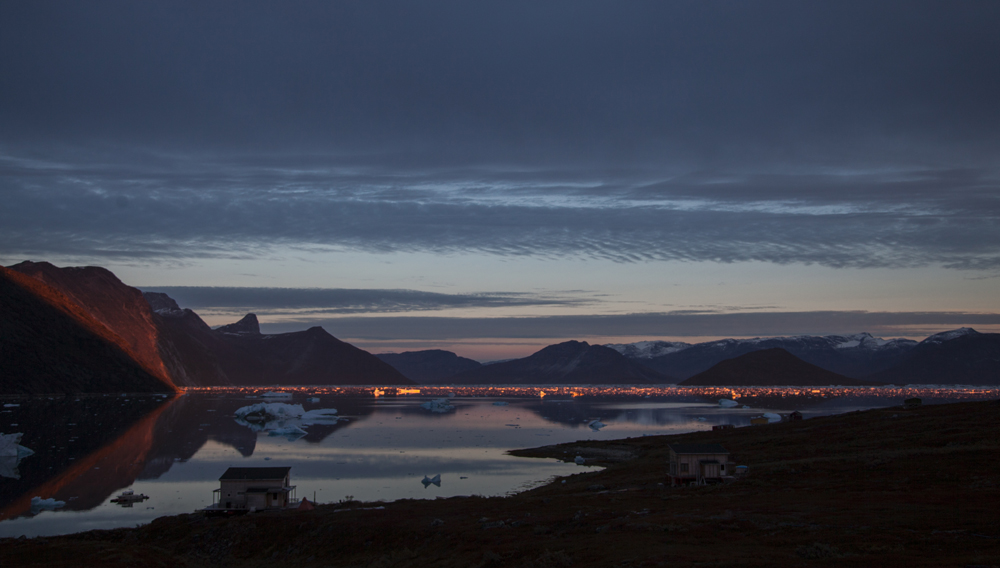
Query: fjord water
(88,449)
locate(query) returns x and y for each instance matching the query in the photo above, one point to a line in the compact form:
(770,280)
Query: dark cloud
(844,134)
(646,326)
(313,301)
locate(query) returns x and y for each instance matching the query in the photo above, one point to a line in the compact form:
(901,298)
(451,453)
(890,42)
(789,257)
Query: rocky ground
(887,487)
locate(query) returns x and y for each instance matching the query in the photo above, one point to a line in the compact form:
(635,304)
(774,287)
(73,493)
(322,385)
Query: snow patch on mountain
(949,335)
(647,349)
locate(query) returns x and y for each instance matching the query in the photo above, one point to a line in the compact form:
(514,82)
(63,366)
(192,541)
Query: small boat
(128,497)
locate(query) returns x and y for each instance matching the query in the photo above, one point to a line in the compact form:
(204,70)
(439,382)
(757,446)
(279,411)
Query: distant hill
(768,367)
(49,344)
(962,356)
(855,356)
(572,362)
(310,357)
(428,366)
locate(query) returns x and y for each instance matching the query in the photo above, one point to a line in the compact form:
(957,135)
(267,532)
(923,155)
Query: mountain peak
(247,325)
(949,335)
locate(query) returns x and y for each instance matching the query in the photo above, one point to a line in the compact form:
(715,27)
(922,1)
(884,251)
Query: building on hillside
(794,416)
(248,489)
(759,421)
(698,464)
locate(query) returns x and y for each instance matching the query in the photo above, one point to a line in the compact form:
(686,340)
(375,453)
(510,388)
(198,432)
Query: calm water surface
(89,449)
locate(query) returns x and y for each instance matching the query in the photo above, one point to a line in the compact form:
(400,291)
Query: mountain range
(83,330)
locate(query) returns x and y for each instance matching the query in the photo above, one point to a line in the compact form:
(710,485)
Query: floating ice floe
(38,505)
(726,403)
(500,403)
(428,481)
(440,405)
(702,419)
(272,394)
(580,460)
(746,407)
(279,417)
(596,425)
(11,405)
(10,446)
(312,399)
(772,417)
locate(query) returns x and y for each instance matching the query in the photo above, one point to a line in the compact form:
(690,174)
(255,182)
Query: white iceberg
(596,425)
(272,394)
(580,460)
(726,403)
(772,417)
(38,505)
(10,446)
(428,481)
(274,410)
(440,405)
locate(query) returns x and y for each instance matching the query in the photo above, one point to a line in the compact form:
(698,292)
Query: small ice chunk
(312,399)
(596,425)
(726,403)
(746,407)
(702,419)
(11,405)
(440,405)
(500,403)
(428,481)
(580,460)
(38,505)
(772,417)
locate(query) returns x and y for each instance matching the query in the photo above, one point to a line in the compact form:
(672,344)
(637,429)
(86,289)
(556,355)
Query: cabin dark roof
(235,473)
(698,448)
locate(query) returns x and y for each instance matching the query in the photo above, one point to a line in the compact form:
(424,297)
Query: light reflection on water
(175,451)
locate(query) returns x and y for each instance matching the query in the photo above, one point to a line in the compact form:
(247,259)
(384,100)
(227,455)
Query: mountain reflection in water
(87,449)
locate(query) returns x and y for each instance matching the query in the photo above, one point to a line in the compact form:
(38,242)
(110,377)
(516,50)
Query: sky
(493,177)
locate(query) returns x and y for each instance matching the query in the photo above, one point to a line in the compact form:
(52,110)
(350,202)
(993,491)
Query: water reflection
(89,449)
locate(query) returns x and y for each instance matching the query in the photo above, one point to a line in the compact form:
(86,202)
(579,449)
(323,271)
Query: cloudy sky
(491,177)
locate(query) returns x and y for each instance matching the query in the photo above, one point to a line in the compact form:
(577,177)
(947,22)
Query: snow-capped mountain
(854,355)
(938,338)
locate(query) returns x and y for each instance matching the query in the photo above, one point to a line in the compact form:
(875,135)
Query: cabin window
(722,467)
(684,468)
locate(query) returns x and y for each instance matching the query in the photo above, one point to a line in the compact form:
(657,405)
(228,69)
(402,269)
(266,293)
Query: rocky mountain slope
(572,362)
(768,367)
(962,356)
(49,344)
(428,366)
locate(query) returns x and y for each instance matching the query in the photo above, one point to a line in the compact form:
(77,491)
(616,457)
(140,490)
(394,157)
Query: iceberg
(726,403)
(772,417)
(312,399)
(10,446)
(580,460)
(428,481)
(440,405)
(285,419)
(272,410)
(499,403)
(38,505)
(596,425)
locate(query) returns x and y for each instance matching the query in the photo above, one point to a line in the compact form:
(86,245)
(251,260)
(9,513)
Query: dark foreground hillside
(888,487)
